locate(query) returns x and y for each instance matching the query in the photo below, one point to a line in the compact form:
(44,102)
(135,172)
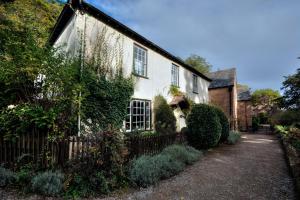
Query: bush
(167,165)
(224,123)
(164,119)
(148,170)
(263,118)
(285,118)
(144,171)
(255,123)
(233,137)
(204,128)
(6,177)
(48,183)
(186,155)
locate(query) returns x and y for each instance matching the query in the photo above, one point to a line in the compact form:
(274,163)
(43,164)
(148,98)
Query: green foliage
(48,183)
(144,171)
(198,63)
(282,130)
(167,165)
(38,15)
(174,91)
(224,123)
(148,170)
(266,99)
(285,118)
(263,118)
(164,119)
(255,123)
(186,155)
(204,128)
(6,177)
(233,137)
(101,170)
(291,87)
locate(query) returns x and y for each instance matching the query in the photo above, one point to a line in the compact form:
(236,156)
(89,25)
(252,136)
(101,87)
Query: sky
(260,38)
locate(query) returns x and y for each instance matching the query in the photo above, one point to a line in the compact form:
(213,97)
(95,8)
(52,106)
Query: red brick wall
(244,115)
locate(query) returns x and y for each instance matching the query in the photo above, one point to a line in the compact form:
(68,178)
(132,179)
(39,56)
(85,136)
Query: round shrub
(48,183)
(204,127)
(6,177)
(164,119)
(185,155)
(144,171)
(224,124)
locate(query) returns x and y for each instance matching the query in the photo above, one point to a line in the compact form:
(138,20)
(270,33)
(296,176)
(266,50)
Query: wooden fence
(45,152)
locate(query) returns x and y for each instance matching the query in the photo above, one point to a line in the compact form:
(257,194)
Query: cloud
(261,38)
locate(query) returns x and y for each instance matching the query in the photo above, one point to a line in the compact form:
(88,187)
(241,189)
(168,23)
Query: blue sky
(261,38)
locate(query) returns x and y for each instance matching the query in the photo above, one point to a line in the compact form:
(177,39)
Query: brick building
(223,93)
(244,109)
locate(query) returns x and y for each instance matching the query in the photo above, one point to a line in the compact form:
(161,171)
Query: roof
(243,94)
(222,78)
(69,11)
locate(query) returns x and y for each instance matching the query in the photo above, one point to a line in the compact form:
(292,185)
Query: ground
(255,168)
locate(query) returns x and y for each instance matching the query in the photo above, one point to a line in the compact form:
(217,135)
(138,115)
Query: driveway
(255,168)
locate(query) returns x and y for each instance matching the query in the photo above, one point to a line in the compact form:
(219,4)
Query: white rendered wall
(158,66)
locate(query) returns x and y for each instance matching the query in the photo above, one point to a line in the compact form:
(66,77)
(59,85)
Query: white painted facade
(158,78)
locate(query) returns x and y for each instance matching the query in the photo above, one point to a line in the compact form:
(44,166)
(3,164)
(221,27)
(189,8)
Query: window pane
(140,61)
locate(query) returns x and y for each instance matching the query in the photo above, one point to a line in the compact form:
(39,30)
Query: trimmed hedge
(224,123)
(204,127)
(164,119)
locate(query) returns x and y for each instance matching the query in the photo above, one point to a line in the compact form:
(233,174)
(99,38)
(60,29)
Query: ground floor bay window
(138,115)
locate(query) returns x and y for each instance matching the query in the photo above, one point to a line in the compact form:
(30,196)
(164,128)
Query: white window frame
(175,75)
(138,115)
(195,84)
(140,60)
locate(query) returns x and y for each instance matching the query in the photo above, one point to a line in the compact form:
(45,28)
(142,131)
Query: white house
(155,69)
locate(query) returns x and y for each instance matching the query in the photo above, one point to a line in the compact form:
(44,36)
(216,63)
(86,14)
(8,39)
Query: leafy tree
(199,63)
(291,87)
(36,15)
(265,98)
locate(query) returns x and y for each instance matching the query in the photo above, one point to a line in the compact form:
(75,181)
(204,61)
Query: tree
(265,99)
(199,63)
(36,15)
(291,87)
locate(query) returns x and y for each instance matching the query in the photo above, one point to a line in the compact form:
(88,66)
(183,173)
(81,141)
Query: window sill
(138,75)
(176,86)
(195,92)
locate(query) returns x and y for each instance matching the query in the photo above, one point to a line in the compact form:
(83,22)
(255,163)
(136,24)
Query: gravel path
(254,168)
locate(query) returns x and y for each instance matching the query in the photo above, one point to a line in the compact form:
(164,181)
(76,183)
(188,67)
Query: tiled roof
(222,78)
(244,94)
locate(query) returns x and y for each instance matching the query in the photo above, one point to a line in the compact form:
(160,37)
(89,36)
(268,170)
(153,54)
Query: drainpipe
(230,104)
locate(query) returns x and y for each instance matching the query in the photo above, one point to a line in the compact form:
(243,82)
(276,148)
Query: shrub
(233,137)
(164,119)
(255,123)
(48,183)
(144,171)
(167,165)
(204,128)
(186,155)
(224,123)
(285,118)
(148,170)
(6,177)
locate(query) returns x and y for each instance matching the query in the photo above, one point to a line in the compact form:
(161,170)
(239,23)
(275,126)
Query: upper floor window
(175,75)
(139,61)
(195,83)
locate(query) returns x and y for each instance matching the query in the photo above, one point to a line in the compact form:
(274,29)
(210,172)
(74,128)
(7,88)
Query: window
(175,75)
(139,61)
(138,115)
(195,83)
